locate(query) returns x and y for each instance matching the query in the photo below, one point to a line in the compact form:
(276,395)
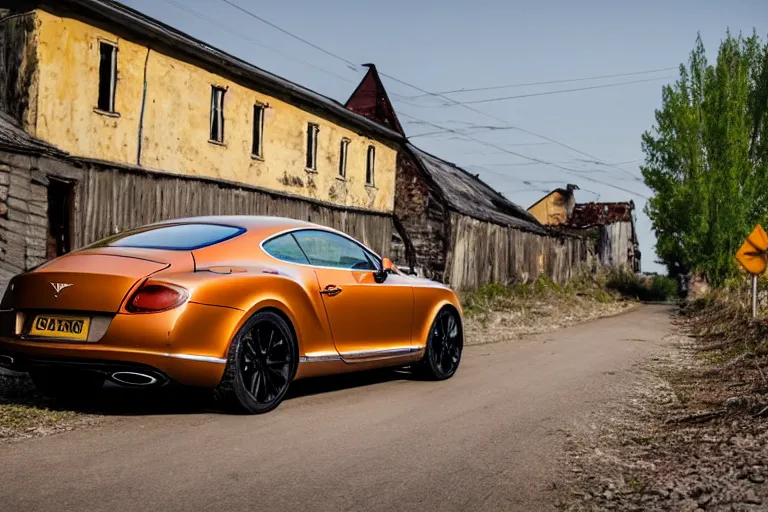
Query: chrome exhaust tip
(133,379)
(6,361)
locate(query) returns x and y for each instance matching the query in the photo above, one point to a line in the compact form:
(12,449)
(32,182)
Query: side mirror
(387,267)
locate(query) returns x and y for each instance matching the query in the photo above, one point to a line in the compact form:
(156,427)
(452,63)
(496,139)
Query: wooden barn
(453,227)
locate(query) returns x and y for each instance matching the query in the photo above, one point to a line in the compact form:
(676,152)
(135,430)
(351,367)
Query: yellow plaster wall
(176,122)
(552,210)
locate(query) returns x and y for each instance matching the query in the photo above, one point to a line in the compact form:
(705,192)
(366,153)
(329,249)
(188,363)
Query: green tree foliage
(707,158)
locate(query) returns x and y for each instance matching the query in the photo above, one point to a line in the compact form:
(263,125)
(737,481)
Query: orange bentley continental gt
(240,305)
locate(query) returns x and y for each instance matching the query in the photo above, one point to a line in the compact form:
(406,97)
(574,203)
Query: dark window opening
(258,130)
(107,76)
(369,167)
(217,114)
(312,130)
(174,237)
(60,200)
(343,157)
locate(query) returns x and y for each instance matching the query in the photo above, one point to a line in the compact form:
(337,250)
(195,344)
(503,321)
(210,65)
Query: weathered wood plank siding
(423,216)
(615,245)
(483,253)
(108,200)
(113,200)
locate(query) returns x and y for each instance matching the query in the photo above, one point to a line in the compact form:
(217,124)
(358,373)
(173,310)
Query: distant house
(611,226)
(555,208)
(453,227)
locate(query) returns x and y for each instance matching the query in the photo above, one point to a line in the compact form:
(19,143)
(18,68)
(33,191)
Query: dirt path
(488,439)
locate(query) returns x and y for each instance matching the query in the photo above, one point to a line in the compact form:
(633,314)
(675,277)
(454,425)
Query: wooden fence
(482,253)
(110,200)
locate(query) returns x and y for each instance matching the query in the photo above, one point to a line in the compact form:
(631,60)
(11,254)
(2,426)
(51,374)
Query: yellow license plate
(55,326)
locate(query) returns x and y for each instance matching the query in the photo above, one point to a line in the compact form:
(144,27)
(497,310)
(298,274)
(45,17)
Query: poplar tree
(706,159)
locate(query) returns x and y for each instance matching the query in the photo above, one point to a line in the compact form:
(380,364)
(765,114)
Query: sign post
(754,296)
(752,256)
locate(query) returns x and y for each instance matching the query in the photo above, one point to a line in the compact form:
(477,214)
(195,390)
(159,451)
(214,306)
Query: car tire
(261,364)
(64,384)
(445,344)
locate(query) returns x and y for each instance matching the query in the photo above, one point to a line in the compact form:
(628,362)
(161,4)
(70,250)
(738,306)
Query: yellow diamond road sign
(752,254)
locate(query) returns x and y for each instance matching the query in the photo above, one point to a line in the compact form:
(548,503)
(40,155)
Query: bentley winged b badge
(59,287)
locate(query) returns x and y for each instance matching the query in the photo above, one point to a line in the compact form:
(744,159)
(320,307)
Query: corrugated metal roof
(155,33)
(13,138)
(468,195)
(599,214)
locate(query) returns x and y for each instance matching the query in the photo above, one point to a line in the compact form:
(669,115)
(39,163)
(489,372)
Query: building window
(343,158)
(107,76)
(370,165)
(217,114)
(258,131)
(312,130)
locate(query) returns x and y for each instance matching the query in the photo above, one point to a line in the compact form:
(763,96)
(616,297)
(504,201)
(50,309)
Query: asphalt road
(487,439)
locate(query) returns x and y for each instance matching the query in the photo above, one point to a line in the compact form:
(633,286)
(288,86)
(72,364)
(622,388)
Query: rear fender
(252,290)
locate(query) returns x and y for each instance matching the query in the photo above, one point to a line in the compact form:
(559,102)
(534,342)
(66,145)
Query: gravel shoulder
(685,437)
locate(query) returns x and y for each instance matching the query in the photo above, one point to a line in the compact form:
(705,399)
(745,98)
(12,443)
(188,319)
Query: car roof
(249,222)
(260,226)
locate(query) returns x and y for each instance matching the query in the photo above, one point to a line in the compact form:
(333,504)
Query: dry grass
(692,434)
(497,313)
(25,413)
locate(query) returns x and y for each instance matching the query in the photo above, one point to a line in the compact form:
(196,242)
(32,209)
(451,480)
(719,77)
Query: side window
(326,249)
(107,76)
(285,248)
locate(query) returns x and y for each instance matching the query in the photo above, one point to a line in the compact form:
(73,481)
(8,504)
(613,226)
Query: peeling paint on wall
(176,122)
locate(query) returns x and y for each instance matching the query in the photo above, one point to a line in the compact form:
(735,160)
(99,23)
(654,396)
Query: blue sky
(442,46)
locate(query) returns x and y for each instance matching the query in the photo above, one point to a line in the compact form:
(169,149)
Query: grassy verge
(501,313)
(26,413)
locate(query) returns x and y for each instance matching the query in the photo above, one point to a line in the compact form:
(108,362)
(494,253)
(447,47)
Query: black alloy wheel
(260,366)
(444,345)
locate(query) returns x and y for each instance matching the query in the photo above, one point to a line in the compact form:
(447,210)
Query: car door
(368,319)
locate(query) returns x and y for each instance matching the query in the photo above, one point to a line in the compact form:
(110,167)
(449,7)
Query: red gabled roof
(370,100)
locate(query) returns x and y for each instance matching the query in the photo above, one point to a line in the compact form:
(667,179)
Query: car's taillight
(152,298)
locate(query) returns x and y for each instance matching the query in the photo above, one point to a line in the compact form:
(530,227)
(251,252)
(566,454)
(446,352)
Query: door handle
(331,290)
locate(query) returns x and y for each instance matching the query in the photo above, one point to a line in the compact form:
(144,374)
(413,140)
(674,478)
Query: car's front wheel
(260,365)
(444,346)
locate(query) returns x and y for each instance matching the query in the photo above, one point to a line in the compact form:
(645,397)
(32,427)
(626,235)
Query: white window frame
(217,113)
(112,77)
(343,152)
(370,166)
(258,137)
(311,156)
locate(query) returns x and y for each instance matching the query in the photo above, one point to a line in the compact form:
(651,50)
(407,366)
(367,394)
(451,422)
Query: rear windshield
(179,237)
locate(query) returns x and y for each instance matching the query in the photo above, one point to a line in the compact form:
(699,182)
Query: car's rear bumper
(187,346)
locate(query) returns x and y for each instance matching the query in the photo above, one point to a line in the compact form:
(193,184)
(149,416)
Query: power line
(548,82)
(351,65)
(505,98)
(249,13)
(566,169)
(252,40)
(491,116)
